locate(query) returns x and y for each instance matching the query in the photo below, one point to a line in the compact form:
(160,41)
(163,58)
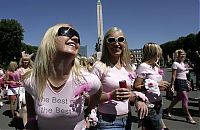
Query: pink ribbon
(82,89)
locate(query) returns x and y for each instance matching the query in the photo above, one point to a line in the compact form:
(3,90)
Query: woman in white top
(179,84)
(149,81)
(57,84)
(25,65)
(114,67)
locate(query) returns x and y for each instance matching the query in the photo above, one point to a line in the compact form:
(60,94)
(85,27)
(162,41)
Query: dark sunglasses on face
(115,40)
(69,32)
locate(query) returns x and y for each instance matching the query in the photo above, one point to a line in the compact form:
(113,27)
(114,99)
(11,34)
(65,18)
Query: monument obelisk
(99,28)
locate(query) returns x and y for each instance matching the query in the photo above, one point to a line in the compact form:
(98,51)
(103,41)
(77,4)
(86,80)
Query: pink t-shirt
(62,110)
(22,70)
(181,70)
(13,76)
(110,78)
(146,71)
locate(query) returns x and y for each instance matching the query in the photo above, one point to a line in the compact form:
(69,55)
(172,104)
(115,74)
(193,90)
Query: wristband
(109,96)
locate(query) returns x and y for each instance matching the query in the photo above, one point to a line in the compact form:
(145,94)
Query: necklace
(58,85)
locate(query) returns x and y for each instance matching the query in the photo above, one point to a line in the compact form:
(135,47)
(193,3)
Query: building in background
(137,55)
(83,51)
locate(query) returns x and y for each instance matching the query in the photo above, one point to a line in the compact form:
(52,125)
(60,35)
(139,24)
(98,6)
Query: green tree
(189,43)
(11,35)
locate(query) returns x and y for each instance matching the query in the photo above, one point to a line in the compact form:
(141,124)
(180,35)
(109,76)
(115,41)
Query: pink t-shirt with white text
(110,80)
(61,110)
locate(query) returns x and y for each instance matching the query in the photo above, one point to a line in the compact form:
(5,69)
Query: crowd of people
(61,90)
(12,86)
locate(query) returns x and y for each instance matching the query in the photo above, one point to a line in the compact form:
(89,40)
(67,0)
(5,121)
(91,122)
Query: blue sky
(141,20)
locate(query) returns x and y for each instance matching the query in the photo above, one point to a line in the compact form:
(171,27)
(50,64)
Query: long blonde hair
(44,58)
(125,56)
(151,53)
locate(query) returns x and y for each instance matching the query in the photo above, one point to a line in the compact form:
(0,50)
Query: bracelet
(109,96)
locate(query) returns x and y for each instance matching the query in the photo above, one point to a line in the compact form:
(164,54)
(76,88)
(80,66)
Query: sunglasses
(69,32)
(115,40)
(25,61)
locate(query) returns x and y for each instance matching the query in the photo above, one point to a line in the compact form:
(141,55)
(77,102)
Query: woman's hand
(141,108)
(164,85)
(171,88)
(121,94)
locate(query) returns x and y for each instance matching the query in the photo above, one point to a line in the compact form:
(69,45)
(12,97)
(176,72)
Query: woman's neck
(61,66)
(179,61)
(59,74)
(116,62)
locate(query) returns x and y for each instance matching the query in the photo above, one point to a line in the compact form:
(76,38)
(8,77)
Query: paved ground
(177,122)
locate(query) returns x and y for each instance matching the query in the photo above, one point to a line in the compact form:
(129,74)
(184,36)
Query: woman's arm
(94,99)
(163,85)
(138,84)
(173,76)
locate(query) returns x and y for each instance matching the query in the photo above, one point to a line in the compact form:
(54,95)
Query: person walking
(12,80)
(180,85)
(150,81)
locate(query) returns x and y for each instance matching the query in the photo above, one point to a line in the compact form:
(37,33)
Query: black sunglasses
(69,32)
(115,40)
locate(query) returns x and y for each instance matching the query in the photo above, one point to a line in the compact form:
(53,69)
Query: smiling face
(25,61)
(181,56)
(67,41)
(115,43)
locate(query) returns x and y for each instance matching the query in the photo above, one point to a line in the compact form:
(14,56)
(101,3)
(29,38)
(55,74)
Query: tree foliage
(189,44)
(11,35)
(11,45)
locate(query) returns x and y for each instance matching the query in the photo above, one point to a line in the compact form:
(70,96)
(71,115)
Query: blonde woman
(83,61)
(179,84)
(149,81)
(90,63)
(25,65)
(57,83)
(114,67)
(12,79)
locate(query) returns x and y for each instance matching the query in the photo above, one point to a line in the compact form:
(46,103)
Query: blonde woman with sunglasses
(116,75)
(57,84)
